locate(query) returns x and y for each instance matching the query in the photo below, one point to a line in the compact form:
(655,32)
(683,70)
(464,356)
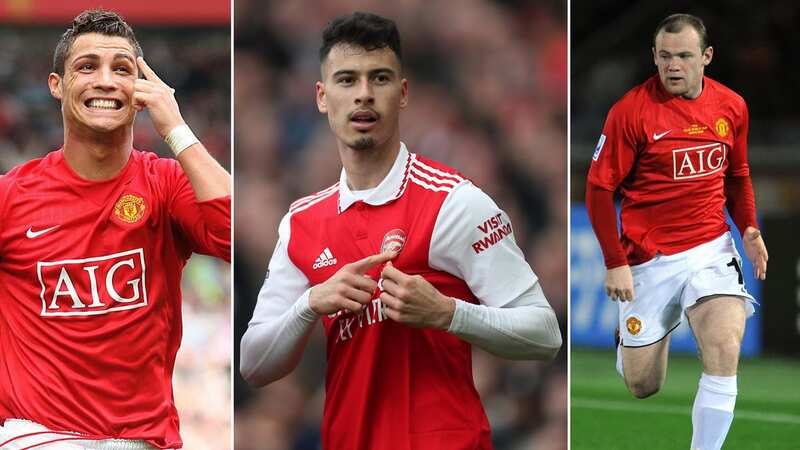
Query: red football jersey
(390,386)
(669,157)
(90,315)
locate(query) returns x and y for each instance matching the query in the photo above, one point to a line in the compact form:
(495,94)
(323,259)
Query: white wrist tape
(180,138)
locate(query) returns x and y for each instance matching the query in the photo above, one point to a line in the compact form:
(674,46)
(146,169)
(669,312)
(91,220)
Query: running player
(675,147)
(93,240)
(405,263)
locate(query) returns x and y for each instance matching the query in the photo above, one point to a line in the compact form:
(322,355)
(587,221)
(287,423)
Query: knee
(722,354)
(643,388)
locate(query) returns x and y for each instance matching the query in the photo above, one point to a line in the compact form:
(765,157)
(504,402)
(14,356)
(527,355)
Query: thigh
(655,310)
(649,361)
(718,323)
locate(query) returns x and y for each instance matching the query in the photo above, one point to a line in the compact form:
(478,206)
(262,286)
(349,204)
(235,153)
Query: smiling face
(681,61)
(362,93)
(97,85)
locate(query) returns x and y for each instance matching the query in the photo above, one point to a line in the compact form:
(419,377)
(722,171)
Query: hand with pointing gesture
(412,300)
(349,288)
(159,99)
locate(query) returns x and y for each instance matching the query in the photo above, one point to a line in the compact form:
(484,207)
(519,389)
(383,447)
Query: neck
(97,156)
(366,169)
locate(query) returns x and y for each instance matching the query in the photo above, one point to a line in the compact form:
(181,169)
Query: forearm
(740,200)
(272,345)
(528,330)
(603,216)
(208,178)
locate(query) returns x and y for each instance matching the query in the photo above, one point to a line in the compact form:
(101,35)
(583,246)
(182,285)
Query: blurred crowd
(488,90)
(196,62)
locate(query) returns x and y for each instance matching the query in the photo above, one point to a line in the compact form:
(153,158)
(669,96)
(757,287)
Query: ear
(655,57)
(54,83)
(321,105)
(403,93)
(708,54)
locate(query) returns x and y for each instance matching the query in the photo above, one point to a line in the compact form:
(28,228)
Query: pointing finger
(148,73)
(371,261)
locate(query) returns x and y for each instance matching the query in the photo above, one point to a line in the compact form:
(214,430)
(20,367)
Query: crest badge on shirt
(393,241)
(130,208)
(722,126)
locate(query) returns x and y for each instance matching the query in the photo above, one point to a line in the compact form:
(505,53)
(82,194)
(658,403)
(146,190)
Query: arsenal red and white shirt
(90,300)
(390,386)
(669,157)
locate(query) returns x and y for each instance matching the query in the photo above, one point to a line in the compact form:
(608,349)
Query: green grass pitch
(605,416)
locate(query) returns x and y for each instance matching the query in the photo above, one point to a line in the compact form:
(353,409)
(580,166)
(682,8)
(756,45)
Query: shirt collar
(389,189)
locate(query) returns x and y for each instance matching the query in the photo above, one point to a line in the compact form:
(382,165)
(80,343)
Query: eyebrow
(373,72)
(95,56)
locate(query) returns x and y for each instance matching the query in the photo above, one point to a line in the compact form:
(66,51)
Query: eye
(122,70)
(346,80)
(382,79)
(85,67)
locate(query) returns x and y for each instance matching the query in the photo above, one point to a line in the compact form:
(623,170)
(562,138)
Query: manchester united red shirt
(90,315)
(669,157)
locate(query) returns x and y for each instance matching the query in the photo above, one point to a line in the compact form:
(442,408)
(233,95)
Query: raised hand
(159,99)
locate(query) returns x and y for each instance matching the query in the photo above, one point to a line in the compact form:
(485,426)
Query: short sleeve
(473,239)
(616,149)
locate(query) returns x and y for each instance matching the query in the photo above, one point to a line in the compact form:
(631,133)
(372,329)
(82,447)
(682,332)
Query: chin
(365,142)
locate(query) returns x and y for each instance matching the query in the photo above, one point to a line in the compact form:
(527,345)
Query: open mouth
(107,104)
(364,117)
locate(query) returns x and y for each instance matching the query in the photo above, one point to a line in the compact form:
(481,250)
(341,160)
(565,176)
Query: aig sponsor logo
(91,286)
(700,161)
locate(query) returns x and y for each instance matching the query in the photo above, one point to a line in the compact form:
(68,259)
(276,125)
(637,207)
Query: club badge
(393,241)
(634,325)
(722,126)
(130,208)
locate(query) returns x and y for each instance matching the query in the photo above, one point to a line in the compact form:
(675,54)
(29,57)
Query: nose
(104,79)
(365,95)
(674,63)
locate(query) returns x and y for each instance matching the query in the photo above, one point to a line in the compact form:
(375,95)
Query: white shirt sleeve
(473,239)
(282,320)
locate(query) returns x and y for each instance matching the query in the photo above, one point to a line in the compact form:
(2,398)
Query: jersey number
(738,268)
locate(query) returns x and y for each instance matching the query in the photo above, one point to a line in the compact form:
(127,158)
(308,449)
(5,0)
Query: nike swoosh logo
(34,234)
(659,136)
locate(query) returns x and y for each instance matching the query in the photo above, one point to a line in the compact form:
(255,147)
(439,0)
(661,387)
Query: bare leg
(645,367)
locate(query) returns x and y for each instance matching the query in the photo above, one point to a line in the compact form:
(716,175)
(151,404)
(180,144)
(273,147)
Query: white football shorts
(18,434)
(666,286)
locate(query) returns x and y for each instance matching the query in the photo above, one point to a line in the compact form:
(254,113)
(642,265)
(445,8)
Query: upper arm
(473,240)
(616,149)
(284,282)
(738,165)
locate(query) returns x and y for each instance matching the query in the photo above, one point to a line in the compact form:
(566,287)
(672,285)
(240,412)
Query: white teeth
(103,103)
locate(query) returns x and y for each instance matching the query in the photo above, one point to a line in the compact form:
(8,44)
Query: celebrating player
(404,261)
(675,147)
(93,240)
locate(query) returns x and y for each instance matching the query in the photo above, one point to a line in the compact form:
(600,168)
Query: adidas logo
(324,259)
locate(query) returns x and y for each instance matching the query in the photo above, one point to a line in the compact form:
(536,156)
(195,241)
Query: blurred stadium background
(188,45)
(611,41)
(487,82)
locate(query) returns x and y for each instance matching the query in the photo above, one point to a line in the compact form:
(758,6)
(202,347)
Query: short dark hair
(362,29)
(99,21)
(675,24)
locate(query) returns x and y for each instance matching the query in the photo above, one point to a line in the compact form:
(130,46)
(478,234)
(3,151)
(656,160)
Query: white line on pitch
(610,405)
